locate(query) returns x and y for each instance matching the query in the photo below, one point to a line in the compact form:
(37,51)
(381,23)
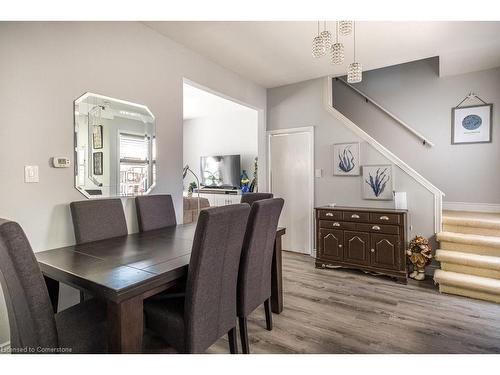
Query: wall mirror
(114,147)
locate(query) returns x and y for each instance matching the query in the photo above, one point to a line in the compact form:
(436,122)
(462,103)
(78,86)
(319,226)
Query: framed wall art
(98,167)
(378,183)
(471,124)
(97,137)
(346,159)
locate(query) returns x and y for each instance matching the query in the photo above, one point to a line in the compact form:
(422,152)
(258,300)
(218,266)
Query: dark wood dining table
(124,271)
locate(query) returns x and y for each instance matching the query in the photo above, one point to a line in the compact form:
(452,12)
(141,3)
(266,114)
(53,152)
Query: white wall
(47,65)
(301,104)
(418,95)
(223,134)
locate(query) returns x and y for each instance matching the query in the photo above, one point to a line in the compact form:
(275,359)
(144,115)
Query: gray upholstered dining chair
(207,310)
(155,212)
(34,328)
(254,278)
(95,220)
(253,197)
(99,219)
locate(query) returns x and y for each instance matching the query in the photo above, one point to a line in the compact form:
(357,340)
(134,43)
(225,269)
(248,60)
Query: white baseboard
(5,347)
(467,206)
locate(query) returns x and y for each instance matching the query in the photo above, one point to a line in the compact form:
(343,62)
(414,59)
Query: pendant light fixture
(326,36)
(345,27)
(318,46)
(337,50)
(355,70)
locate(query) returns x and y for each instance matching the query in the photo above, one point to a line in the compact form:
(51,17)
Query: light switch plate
(318,173)
(31,174)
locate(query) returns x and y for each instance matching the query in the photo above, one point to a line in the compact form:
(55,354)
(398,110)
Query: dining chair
(253,197)
(99,219)
(254,277)
(95,220)
(155,212)
(34,328)
(206,311)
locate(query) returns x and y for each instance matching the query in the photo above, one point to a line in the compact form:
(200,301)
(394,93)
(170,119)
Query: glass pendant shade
(318,47)
(337,53)
(326,36)
(345,27)
(354,73)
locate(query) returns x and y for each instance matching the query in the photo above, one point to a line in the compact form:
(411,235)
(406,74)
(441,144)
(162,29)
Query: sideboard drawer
(330,215)
(378,228)
(356,216)
(331,224)
(384,218)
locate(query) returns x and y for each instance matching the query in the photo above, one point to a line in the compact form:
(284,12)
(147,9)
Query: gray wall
(44,67)
(301,104)
(416,94)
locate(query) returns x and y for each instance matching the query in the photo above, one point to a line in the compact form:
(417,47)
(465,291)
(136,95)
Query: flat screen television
(221,171)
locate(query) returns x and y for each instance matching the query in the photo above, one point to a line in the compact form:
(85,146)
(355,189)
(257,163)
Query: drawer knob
(372,250)
(340,245)
(354,216)
(376,227)
(329,214)
(384,218)
(336,224)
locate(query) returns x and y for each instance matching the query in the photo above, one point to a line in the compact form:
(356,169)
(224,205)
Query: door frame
(309,130)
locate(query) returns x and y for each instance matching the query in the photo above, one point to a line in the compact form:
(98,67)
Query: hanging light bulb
(355,70)
(345,27)
(337,49)
(318,46)
(326,36)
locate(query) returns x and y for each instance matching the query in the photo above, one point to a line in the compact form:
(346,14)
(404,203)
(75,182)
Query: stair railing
(438,194)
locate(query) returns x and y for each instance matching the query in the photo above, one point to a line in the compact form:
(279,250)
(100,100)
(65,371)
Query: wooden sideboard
(372,240)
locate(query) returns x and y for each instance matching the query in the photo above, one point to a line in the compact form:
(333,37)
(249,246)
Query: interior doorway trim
(284,132)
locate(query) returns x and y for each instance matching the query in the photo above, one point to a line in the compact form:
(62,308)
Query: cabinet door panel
(330,244)
(356,247)
(386,251)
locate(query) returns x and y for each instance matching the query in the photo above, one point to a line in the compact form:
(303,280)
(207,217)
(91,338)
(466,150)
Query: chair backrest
(210,305)
(155,211)
(254,278)
(254,197)
(99,219)
(31,318)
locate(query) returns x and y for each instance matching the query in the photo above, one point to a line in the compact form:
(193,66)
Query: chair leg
(245,347)
(269,315)
(233,342)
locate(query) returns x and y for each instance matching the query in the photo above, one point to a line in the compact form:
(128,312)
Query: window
(135,151)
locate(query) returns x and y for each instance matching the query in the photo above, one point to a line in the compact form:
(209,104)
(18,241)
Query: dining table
(124,271)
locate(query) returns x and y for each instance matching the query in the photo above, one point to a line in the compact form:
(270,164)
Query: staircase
(469,253)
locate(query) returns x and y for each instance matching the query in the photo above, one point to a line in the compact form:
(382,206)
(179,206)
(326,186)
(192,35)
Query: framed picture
(378,182)
(346,159)
(98,163)
(471,124)
(97,137)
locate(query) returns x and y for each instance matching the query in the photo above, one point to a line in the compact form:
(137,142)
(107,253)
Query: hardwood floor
(343,311)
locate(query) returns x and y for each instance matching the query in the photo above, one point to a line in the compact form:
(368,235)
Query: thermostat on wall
(60,162)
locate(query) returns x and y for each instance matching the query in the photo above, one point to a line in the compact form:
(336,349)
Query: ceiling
(276,53)
(201,103)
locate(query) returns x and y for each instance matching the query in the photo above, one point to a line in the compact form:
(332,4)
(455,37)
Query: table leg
(277,278)
(53,289)
(125,326)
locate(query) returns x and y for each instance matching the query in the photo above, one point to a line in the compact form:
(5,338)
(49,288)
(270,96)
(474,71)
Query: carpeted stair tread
(472,219)
(470,239)
(468,259)
(470,282)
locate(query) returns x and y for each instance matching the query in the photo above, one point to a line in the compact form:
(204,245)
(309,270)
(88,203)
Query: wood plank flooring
(343,311)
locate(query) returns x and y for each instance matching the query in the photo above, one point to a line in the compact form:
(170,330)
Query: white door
(291,177)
